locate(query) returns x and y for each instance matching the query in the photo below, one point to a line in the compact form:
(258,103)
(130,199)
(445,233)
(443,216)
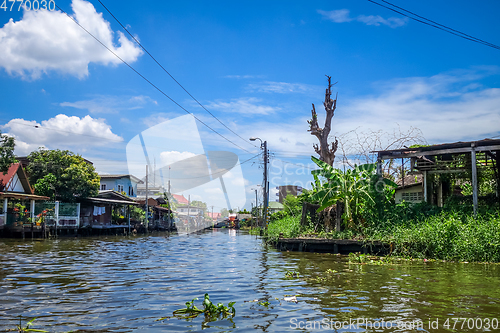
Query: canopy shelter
(97,212)
(160,217)
(457,157)
(18,197)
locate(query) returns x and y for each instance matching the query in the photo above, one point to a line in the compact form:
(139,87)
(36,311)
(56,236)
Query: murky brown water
(126,284)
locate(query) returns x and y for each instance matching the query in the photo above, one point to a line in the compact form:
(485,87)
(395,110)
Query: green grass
(418,233)
(289,226)
(447,236)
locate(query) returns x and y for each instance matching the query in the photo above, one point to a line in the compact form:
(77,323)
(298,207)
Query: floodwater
(120,284)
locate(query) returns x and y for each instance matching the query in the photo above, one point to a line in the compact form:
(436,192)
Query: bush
(289,226)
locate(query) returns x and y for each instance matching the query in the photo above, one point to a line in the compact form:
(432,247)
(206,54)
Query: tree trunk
(326,154)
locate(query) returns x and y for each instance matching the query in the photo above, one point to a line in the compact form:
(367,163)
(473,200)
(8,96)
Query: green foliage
(358,189)
(73,176)
(20,327)
(46,186)
(292,208)
(255,231)
(224,212)
(449,236)
(7,145)
(288,226)
(244,211)
(358,258)
(199,204)
(137,213)
(291,275)
(210,310)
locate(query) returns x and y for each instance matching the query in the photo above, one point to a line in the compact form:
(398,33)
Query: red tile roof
(214,216)
(180,199)
(6,178)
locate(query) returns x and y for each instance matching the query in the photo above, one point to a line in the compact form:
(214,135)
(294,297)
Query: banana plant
(354,188)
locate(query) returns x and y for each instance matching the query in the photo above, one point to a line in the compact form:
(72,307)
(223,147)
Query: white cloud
(170,157)
(156,119)
(246,106)
(44,41)
(445,107)
(342,15)
(337,16)
(111,104)
(240,181)
(281,87)
(62,131)
(214,190)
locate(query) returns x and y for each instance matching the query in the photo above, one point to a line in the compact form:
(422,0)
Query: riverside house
(120,183)
(17,211)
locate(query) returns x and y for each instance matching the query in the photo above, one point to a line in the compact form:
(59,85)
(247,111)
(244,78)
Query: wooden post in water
(474,177)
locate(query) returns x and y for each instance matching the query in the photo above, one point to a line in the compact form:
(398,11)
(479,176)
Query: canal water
(120,284)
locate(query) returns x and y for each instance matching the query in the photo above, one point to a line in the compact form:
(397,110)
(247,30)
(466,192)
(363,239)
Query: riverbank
(451,236)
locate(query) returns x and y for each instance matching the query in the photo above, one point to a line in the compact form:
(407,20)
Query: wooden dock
(323,245)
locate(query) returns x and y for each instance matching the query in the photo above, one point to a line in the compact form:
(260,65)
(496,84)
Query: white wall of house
(410,194)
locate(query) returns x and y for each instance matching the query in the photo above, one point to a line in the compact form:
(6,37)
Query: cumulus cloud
(111,104)
(62,131)
(245,106)
(44,41)
(342,16)
(170,157)
(445,107)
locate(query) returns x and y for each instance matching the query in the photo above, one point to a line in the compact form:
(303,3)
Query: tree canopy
(62,175)
(224,212)
(7,145)
(199,204)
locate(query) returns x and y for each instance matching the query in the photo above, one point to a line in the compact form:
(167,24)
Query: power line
(434,24)
(171,76)
(152,84)
(222,171)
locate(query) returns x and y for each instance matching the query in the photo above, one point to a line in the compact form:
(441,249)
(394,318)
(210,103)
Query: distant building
(285,190)
(273,207)
(153,190)
(214,216)
(183,206)
(120,183)
(410,189)
(180,199)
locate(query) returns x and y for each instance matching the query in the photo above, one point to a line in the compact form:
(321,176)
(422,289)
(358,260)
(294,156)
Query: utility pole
(189,203)
(263,145)
(266,184)
(169,179)
(147,208)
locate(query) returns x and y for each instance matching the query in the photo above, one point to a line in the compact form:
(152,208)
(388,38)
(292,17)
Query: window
(130,191)
(103,187)
(413,196)
(120,188)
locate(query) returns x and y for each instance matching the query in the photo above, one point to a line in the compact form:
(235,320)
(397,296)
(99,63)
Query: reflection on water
(126,284)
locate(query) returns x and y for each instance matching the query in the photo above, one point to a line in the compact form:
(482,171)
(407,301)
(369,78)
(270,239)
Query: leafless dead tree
(326,153)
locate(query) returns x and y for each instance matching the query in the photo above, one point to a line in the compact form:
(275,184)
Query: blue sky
(255,65)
